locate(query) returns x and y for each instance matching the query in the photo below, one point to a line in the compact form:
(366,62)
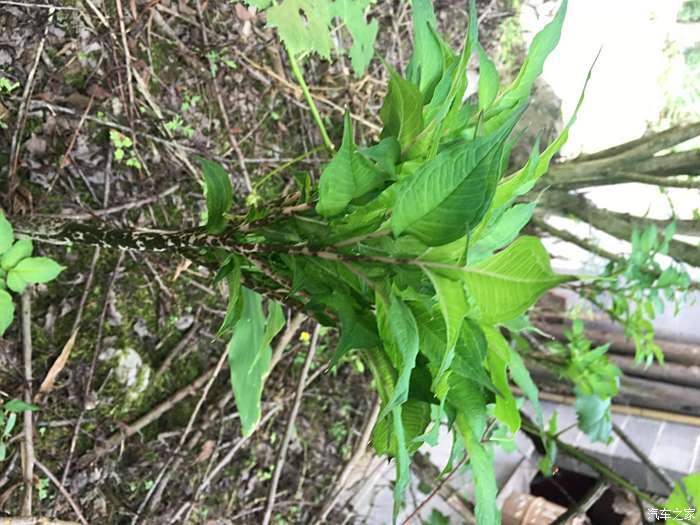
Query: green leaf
(426,64)
(259,4)
(546,464)
(594,417)
(453,305)
(508,283)
(6,234)
(219,194)
(471,354)
(466,398)
(17,405)
(32,270)
(524,179)
(363,34)
(249,355)
(7,311)
(521,377)
(234,292)
(488,80)
(682,508)
(498,360)
(303,25)
(448,195)
(19,250)
(402,110)
(386,153)
(348,176)
(542,45)
(501,232)
(399,333)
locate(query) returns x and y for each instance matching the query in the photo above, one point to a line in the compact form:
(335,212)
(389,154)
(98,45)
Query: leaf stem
(296,70)
(284,166)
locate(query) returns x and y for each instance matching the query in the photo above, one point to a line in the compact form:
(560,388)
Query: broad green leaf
(521,377)
(303,25)
(448,195)
(488,80)
(425,67)
(682,509)
(502,232)
(219,194)
(7,311)
(594,417)
(399,333)
(542,45)
(363,34)
(508,283)
(17,405)
(32,270)
(348,176)
(402,110)
(6,234)
(453,305)
(249,355)
(19,250)
(499,360)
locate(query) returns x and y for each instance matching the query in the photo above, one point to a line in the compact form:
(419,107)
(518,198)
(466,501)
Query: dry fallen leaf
(48,383)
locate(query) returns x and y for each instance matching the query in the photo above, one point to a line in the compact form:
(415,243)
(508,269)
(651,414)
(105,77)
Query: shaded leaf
(402,110)
(348,176)
(219,194)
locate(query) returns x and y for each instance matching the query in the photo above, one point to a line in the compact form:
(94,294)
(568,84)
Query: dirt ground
(113,102)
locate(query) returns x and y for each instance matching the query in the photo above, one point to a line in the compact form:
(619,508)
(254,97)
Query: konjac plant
(409,246)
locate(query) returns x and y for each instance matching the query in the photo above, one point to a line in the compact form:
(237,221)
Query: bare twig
(59,486)
(284,445)
(28,443)
(177,350)
(285,338)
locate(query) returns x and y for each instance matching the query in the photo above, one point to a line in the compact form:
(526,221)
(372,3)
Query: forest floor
(110,102)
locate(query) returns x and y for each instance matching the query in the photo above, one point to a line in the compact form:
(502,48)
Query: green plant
(638,287)
(7,86)
(8,419)
(384,253)
(18,269)
(123,149)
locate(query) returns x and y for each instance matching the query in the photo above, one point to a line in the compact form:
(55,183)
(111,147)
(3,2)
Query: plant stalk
(296,70)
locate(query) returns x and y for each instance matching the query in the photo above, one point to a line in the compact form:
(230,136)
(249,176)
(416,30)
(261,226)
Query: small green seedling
(123,149)
(8,420)
(18,269)
(7,86)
